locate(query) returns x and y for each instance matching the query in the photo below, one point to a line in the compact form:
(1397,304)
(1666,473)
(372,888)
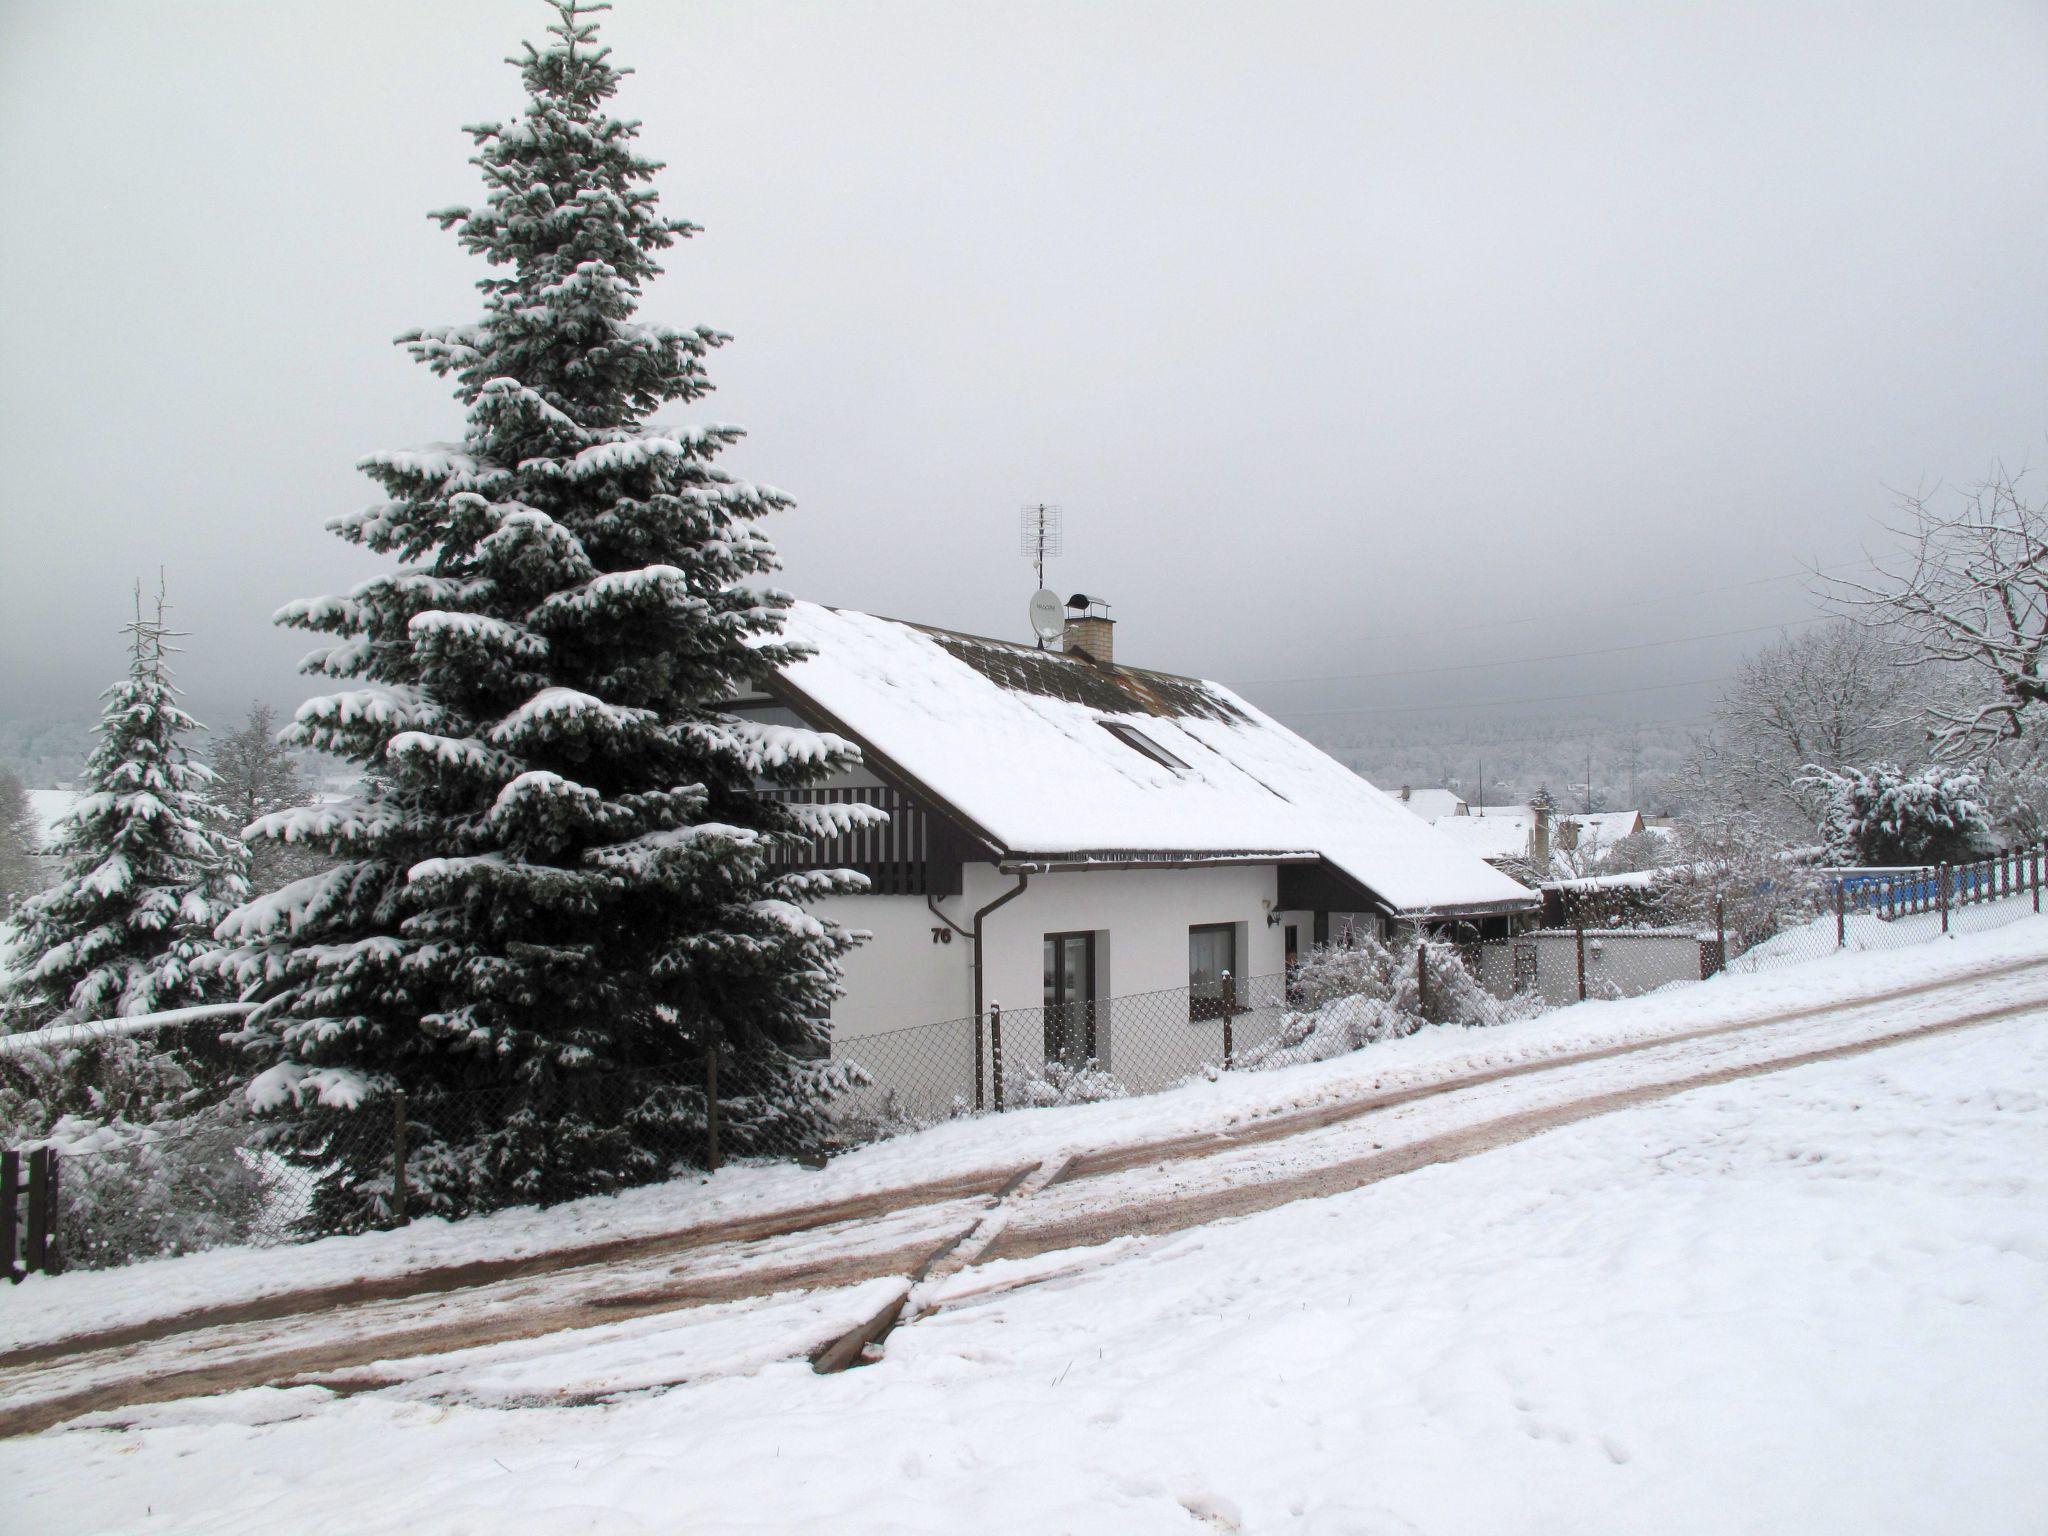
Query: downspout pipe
(980,996)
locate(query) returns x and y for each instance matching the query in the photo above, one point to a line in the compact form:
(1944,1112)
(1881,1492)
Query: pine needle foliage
(557,891)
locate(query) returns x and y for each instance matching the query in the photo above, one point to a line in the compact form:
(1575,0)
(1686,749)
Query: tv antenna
(1039,535)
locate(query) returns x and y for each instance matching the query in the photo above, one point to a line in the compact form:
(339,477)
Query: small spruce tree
(21,841)
(556,892)
(149,865)
(257,777)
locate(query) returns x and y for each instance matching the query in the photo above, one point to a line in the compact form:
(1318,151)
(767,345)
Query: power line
(1542,698)
(1517,661)
(1634,603)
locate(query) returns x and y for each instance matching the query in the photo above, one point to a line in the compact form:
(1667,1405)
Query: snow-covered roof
(1431,804)
(1506,831)
(1053,757)
(50,807)
(1502,833)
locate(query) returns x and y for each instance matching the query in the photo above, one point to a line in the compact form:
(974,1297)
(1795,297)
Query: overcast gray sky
(1338,331)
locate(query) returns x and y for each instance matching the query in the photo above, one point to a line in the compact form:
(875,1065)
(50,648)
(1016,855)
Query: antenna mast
(1039,535)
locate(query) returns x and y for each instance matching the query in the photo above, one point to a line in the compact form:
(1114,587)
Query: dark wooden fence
(28,1212)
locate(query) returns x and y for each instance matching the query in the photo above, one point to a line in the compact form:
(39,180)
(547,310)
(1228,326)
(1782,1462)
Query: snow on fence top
(1014,739)
(57,1036)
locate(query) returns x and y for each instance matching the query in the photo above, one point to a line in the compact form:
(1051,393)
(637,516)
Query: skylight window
(1138,741)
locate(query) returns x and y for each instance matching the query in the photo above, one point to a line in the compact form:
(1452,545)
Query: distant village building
(1554,844)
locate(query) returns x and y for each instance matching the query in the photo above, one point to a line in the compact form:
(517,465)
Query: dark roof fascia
(1146,858)
(1373,901)
(776,685)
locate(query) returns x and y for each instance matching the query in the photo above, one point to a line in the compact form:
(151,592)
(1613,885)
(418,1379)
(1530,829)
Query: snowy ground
(1805,1302)
(47,1307)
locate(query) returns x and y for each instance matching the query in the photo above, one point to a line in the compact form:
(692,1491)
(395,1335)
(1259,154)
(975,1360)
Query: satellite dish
(1046,618)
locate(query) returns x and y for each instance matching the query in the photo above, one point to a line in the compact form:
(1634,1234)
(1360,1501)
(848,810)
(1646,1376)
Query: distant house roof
(1507,831)
(50,807)
(1055,758)
(1431,804)
(1502,832)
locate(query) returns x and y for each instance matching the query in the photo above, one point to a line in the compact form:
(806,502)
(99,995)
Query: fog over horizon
(1382,361)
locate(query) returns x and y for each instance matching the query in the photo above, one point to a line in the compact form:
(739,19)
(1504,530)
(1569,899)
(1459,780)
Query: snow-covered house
(1559,844)
(1066,829)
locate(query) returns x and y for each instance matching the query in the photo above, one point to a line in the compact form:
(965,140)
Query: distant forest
(1631,763)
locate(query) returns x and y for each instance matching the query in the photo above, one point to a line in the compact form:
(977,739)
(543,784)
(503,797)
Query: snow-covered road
(1332,1147)
(1804,1301)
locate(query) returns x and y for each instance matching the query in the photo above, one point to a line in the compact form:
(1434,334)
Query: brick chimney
(1090,631)
(1539,834)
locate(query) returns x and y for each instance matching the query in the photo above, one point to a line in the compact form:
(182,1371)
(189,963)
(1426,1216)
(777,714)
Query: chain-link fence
(224,1176)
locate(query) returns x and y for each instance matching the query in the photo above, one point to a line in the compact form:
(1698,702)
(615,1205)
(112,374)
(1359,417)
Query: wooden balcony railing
(907,855)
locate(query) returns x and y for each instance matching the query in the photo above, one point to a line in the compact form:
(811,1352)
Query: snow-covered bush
(2016,793)
(1344,997)
(127,1192)
(1057,1082)
(1736,869)
(1884,815)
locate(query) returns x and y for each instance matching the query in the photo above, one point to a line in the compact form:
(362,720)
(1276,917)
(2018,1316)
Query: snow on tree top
(1013,739)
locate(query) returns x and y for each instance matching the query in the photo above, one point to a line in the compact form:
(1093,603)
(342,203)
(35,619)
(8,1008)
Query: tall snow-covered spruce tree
(149,865)
(556,886)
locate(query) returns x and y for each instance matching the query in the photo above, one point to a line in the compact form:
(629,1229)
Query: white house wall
(904,1016)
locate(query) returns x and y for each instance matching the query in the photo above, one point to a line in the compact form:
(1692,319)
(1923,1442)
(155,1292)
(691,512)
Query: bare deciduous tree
(1834,696)
(1971,592)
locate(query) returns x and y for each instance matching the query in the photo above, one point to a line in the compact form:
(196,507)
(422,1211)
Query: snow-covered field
(1807,1302)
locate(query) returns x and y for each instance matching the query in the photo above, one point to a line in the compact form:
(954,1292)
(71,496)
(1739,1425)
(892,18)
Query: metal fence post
(1581,932)
(1841,914)
(1941,893)
(398,1189)
(2037,877)
(980,1065)
(1229,1013)
(995,1049)
(10,1213)
(711,1098)
(1721,929)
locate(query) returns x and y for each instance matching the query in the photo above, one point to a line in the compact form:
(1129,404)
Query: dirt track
(279,1339)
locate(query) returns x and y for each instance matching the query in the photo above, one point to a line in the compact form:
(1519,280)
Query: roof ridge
(1024,646)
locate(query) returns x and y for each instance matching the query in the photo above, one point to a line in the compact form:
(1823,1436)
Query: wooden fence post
(1941,893)
(398,1187)
(10,1214)
(1841,914)
(1721,928)
(1580,931)
(711,1098)
(36,1251)
(2037,877)
(995,1047)
(1421,974)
